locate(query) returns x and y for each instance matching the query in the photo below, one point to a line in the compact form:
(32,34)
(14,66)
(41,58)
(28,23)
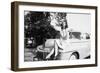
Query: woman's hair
(63,20)
(66,25)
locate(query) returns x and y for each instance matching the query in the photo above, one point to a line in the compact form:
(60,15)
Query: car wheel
(74,56)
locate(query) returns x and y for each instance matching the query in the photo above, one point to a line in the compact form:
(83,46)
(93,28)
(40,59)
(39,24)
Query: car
(77,47)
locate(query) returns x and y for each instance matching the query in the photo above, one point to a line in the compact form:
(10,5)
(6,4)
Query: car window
(79,35)
(74,35)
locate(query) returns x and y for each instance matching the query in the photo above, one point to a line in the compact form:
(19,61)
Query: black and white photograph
(51,36)
(56,36)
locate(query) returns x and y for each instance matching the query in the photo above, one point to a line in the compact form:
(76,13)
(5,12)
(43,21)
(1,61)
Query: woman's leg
(54,51)
(49,55)
(55,48)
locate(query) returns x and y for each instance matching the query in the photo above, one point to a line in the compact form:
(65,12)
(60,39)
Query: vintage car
(77,47)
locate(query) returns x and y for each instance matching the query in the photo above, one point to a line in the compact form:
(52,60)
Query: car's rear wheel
(74,56)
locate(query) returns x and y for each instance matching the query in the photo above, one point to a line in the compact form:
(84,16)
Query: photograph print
(51,36)
(56,36)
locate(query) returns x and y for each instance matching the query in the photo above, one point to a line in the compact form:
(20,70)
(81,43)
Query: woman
(59,23)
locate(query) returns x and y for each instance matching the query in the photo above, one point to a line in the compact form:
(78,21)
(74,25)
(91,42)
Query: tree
(38,27)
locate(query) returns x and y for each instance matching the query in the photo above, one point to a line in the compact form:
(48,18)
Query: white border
(23,64)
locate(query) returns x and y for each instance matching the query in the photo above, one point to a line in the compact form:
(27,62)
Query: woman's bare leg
(49,55)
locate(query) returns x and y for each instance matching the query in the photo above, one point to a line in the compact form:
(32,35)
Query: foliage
(38,27)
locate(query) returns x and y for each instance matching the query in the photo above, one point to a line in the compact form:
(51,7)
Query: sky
(79,22)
